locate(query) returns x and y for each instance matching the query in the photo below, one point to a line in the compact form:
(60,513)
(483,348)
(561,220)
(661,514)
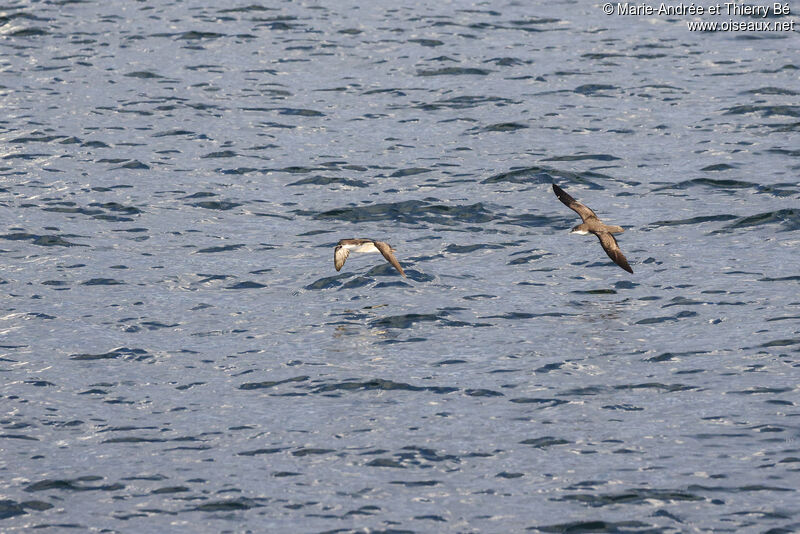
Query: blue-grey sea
(178,353)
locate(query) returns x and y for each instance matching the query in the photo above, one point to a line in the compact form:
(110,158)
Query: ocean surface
(178,353)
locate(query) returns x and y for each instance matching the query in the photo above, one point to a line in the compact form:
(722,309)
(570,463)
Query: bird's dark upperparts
(593,225)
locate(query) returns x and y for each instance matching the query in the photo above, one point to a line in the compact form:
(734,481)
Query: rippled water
(178,350)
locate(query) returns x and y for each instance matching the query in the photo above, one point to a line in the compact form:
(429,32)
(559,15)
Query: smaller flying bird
(591,224)
(346,246)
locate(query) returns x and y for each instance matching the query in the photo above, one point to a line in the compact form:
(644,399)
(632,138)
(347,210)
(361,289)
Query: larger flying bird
(591,224)
(346,246)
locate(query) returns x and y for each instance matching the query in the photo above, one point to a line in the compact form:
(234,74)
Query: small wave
(426,42)
(465,102)
(411,212)
(406,321)
(765,111)
(663,319)
(197,35)
(672,356)
(544,442)
(222,205)
(29,32)
(466,249)
(500,127)
(454,71)
(11,508)
(695,220)
(214,250)
(327,282)
(229,505)
(508,61)
(540,174)
(789,219)
(143,74)
(272,383)
(102,282)
(409,172)
(246,285)
(720,167)
(329,180)
(300,112)
(771,91)
(42,240)
(633,496)
(583,157)
(594,89)
(121,352)
(599,526)
(543,402)
(76,484)
(709,182)
(220,154)
(382,385)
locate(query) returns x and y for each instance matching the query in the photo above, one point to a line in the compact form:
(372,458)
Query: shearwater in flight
(346,246)
(591,224)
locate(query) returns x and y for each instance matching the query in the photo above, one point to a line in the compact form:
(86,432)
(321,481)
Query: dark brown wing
(340,254)
(612,249)
(573,204)
(386,250)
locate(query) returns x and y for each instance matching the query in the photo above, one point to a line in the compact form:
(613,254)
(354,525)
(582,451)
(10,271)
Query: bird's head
(578,230)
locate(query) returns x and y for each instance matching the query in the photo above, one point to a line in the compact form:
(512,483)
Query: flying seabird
(591,224)
(346,246)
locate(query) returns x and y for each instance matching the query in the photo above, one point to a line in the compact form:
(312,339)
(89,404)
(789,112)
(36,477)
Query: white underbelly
(366,247)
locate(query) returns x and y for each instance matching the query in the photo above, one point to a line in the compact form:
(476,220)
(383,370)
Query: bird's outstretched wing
(573,204)
(386,250)
(340,254)
(612,249)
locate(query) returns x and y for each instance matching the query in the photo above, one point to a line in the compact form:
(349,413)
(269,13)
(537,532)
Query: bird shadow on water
(354,280)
